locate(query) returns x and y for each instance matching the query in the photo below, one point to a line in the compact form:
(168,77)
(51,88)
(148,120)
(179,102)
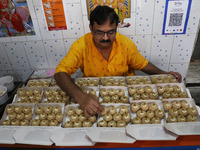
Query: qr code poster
(176,16)
(15,19)
(121,7)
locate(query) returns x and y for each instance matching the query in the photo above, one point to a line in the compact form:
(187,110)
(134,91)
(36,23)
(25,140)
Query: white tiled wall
(20,55)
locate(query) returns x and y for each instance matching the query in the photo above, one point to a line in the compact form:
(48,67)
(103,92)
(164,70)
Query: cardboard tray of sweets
(150,131)
(112,87)
(36,135)
(71,136)
(7,132)
(86,79)
(17,98)
(181,85)
(110,134)
(184,128)
(116,78)
(153,86)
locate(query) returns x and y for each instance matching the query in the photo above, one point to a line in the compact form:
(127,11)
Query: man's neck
(105,52)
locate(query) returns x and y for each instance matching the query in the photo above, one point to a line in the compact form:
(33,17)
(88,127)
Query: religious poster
(54,14)
(176,16)
(15,19)
(121,7)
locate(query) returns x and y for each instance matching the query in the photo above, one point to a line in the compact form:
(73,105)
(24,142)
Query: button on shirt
(123,60)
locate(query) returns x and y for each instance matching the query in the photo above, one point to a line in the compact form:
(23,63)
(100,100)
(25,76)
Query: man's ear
(90,27)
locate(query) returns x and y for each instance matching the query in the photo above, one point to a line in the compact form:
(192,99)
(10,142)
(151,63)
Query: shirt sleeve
(73,60)
(135,59)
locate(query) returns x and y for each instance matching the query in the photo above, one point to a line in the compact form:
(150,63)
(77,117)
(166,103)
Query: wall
(20,55)
(196,52)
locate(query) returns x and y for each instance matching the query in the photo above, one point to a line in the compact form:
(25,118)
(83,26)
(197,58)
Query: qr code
(175,19)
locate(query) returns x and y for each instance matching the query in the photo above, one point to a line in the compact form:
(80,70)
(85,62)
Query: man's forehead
(106,24)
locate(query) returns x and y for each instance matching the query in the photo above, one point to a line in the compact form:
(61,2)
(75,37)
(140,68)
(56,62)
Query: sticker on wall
(176,16)
(121,7)
(15,19)
(54,14)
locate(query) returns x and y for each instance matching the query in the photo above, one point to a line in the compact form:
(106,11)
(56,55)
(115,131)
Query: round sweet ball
(135,107)
(171,119)
(136,120)
(68,124)
(102,123)
(121,123)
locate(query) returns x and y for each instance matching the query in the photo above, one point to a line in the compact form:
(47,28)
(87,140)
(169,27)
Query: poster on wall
(54,14)
(176,16)
(121,7)
(15,19)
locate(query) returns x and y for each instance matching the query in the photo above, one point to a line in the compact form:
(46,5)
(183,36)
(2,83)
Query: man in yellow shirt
(103,52)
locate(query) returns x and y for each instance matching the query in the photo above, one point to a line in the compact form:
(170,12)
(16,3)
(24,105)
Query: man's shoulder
(82,41)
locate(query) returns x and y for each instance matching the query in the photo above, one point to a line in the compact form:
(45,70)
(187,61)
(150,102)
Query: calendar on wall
(54,14)
(176,16)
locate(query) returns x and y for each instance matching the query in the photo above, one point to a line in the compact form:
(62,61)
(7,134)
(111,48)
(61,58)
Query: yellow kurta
(123,60)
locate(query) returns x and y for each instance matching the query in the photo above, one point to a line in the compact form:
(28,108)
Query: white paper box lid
(34,135)
(109,135)
(184,128)
(71,137)
(149,132)
(6,134)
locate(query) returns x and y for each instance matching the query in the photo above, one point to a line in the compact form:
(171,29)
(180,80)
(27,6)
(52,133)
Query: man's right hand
(89,104)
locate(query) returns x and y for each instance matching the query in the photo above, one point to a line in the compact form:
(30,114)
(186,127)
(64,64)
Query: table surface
(192,140)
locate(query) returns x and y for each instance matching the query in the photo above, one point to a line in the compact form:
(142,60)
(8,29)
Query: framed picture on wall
(121,7)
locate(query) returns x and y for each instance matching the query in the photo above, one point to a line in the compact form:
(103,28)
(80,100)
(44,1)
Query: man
(103,52)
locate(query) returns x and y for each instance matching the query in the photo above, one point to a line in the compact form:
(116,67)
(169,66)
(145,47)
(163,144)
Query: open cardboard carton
(110,134)
(150,131)
(184,128)
(71,136)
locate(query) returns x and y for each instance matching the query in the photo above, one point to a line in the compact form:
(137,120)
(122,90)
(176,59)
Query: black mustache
(104,41)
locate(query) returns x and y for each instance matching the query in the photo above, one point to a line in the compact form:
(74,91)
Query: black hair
(103,13)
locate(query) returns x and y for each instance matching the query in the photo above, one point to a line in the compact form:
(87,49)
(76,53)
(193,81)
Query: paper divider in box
(67,118)
(113,87)
(140,77)
(114,77)
(49,81)
(181,85)
(49,104)
(159,103)
(5,115)
(189,100)
(50,88)
(161,75)
(117,105)
(153,86)
(17,97)
(85,78)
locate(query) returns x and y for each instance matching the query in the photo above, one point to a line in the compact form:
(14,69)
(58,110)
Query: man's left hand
(176,75)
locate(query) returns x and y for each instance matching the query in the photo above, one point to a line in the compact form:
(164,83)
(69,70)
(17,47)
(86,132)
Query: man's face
(104,35)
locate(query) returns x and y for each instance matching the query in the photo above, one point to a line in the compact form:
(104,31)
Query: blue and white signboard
(176,16)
